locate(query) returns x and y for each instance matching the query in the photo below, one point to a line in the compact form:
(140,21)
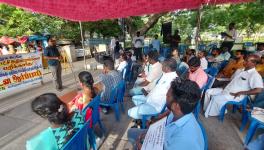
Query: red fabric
(93,10)
(79,106)
(6,40)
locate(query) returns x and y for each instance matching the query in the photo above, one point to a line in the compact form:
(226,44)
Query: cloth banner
(19,71)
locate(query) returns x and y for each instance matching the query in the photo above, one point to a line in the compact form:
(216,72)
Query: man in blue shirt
(52,54)
(156,43)
(182,131)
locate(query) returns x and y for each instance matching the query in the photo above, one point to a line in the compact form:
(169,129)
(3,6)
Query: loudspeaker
(166,31)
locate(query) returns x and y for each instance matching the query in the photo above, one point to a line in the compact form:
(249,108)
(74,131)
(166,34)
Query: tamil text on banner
(20,71)
(154,138)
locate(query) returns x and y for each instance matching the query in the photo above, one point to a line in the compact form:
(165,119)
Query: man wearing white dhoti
(244,82)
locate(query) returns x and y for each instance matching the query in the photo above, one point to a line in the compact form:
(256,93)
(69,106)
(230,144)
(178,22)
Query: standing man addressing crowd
(52,54)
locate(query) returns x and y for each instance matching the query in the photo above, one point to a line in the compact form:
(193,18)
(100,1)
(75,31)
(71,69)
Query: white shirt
(204,63)
(244,81)
(121,66)
(232,33)
(260,53)
(153,75)
(5,51)
(157,96)
(113,43)
(138,42)
(226,55)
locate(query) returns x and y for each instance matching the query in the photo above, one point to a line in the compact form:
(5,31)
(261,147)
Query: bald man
(246,81)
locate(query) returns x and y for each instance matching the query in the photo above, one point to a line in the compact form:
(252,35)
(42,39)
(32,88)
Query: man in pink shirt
(196,73)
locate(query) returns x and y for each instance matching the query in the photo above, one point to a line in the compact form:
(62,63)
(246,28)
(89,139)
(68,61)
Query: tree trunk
(152,20)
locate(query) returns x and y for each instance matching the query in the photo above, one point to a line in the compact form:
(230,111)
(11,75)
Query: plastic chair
(116,97)
(79,140)
(204,135)
(197,109)
(120,94)
(95,106)
(209,83)
(127,72)
(212,71)
(254,125)
(235,104)
(146,117)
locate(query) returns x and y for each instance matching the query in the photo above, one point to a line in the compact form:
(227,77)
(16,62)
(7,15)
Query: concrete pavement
(18,123)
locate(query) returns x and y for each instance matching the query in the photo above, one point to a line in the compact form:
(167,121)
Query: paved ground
(18,123)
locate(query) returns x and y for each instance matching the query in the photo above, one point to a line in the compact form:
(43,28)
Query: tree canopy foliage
(248,17)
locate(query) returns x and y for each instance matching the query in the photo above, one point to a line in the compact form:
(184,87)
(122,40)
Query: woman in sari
(63,124)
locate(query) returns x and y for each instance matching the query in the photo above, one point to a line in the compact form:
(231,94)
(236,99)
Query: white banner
(154,138)
(19,71)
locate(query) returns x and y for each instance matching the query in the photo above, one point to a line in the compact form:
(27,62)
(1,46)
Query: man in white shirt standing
(244,82)
(138,43)
(112,46)
(148,81)
(229,37)
(156,99)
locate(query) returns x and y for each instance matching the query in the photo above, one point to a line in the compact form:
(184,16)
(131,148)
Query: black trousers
(228,44)
(139,53)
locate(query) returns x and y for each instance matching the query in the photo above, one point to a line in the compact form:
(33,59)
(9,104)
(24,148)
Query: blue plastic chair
(204,135)
(212,71)
(121,94)
(209,83)
(116,98)
(127,72)
(201,47)
(182,48)
(197,109)
(254,125)
(146,117)
(79,140)
(236,104)
(95,106)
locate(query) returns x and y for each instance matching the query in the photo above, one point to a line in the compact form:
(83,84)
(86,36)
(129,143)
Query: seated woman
(87,94)
(123,62)
(175,55)
(63,124)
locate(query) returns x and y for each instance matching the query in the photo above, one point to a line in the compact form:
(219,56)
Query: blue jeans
(142,109)
(133,134)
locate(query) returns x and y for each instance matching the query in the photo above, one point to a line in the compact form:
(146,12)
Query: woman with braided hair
(87,94)
(64,124)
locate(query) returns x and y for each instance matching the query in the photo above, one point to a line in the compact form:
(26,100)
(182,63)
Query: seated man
(260,67)
(148,81)
(204,62)
(233,65)
(182,131)
(196,73)
(244,82)
(216,58)
(230,69)
(225,54)
(155,100)
(108,79)
(260,50)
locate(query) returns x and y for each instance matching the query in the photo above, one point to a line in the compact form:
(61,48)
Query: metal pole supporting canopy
(84,51)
